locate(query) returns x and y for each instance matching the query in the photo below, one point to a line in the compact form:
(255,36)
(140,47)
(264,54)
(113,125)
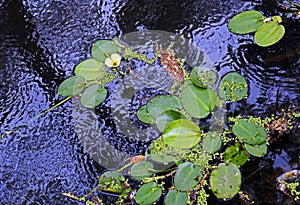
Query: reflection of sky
(281,161)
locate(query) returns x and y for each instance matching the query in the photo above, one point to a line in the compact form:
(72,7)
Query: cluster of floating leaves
(268,30)
(182,142)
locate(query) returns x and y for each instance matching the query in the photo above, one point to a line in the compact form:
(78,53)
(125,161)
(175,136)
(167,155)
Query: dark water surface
(42,41)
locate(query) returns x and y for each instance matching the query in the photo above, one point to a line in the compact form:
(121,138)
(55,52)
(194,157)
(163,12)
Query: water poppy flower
(113,61)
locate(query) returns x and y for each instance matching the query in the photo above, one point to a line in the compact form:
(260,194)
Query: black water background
(42,41)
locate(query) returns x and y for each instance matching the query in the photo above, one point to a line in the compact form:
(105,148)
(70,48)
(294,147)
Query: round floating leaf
(187,176)
(203,78)
(176,198)
(198,102)
(93,95)
(256,150)
(244,128)
(234,155)
(161,103)
(212,143)
(260,137)
(249,132)
(225,181)
(148,193)
(269,34)
(182,133)
(162,158)
(90,69)
(103,49)
(144,116)
(246,22)
(166,117)
(141,170)
(71,86)
(233,87)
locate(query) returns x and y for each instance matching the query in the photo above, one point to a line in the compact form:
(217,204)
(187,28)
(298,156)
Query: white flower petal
(115,57)
(108,62)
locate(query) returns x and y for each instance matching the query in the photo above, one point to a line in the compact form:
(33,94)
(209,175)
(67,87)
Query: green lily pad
(260,137)
(203,78)
(198,102)
(269,34)
(163,158)
(166,117)
(212,143)
(246,22)
(103,49)
(249,132)
(187,176)
(182,133)
(259,150)
(148,193)
(244,128)
(144,116)
(141,170)
(71,86)
(162,103)
(93,95)
(176,198)
(233,87)
(235,155)
(90,69)
(225,181)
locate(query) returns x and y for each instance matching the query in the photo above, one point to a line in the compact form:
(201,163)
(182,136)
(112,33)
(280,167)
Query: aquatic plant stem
(36,117)
(146,180)
(124,167)
(295,4)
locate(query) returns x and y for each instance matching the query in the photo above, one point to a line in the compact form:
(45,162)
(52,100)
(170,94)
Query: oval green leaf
(269,34)
(244,128)
(166,117)
(71,86)
(148,193)
(249,132)
(246,22)
(225,181)
(233,87)
(90,69)
(182,133)
(163,158)
(257,150)
(176,198)
(198,102)
(212,143)
(103,49)
(141,170)
(187,176)
(260,137)
(162,103)
(144,116)
(93,95)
